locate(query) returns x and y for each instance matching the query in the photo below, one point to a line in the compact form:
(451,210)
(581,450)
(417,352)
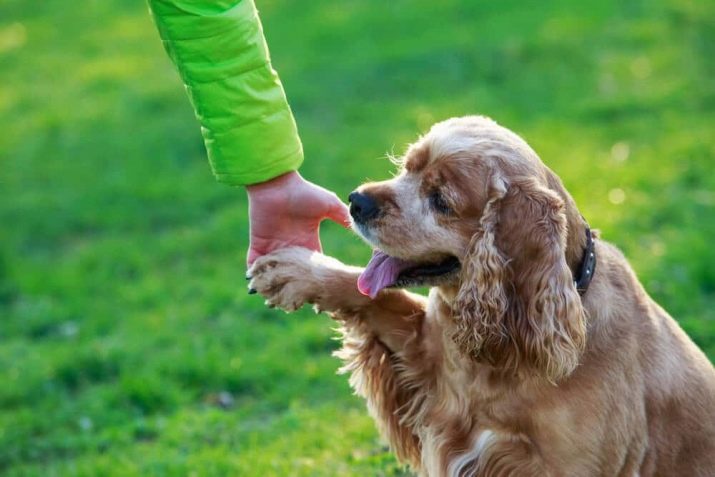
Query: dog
(537,352)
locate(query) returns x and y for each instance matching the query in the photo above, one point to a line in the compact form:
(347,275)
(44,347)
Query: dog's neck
(575,223)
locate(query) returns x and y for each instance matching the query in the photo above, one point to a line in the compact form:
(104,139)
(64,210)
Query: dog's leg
(382,338)
(291,277)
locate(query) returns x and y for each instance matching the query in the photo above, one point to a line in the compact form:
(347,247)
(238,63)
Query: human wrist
(278,182)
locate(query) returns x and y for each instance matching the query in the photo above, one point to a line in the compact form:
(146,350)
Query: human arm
(250,135)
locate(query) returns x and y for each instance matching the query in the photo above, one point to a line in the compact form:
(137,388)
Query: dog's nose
(362,207)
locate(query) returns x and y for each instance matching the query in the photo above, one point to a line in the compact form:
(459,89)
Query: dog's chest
(469,423)
(456,437)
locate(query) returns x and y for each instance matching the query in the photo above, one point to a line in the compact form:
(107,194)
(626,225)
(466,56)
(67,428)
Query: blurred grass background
(128,345)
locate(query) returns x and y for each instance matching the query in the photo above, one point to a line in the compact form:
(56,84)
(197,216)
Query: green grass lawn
(128,344)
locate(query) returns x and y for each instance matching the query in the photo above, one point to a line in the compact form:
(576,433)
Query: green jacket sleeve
(222,57)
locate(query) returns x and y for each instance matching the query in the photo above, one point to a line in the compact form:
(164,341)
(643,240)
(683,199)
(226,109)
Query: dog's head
(475,211)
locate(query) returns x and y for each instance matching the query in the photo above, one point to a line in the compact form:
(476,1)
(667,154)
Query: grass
(128,345)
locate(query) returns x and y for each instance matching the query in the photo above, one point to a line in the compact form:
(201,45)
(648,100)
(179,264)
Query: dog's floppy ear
(481,303)
(518,307)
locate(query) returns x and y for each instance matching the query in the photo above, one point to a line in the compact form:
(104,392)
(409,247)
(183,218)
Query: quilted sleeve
(221,54)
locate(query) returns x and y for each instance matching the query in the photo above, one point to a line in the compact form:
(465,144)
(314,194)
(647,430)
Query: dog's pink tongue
(380,272)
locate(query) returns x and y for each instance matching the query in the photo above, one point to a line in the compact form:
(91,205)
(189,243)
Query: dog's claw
(252,291)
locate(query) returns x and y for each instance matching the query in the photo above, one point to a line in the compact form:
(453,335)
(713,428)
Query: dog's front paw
(288,278)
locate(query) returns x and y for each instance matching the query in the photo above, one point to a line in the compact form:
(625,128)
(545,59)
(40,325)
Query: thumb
(338,212)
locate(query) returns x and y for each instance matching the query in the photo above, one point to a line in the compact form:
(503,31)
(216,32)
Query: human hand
(286,211)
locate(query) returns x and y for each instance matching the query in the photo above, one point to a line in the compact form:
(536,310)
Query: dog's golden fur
(507,370)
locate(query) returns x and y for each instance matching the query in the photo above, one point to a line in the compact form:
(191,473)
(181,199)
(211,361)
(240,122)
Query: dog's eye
(438,203)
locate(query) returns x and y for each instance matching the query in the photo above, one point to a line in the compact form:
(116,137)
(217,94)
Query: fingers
(293,219)
(338,212)
(253,254)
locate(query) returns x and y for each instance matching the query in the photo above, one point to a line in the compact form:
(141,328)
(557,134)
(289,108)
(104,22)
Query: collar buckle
(587,268)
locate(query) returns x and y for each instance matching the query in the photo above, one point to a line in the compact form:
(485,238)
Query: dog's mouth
(384,271)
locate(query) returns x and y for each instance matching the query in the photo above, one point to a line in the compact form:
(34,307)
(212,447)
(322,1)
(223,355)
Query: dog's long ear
(481,303)
(518,291)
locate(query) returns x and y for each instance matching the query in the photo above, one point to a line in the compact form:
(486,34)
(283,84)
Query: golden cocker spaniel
(537,353)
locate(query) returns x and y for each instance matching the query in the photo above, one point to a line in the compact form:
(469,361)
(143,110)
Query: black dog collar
(588,265)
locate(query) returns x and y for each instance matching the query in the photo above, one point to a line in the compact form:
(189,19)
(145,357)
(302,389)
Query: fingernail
(251,291)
